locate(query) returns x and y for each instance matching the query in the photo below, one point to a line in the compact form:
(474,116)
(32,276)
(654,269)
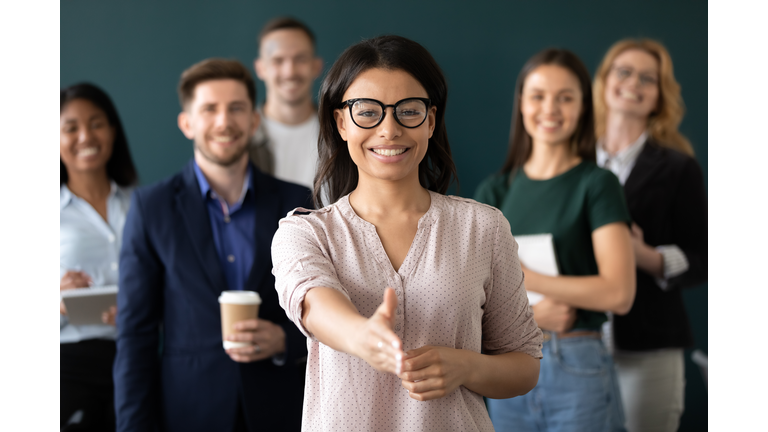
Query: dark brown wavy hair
(336,172)
(583,139)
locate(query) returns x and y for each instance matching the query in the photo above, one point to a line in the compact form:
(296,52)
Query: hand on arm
(648,258)
(268,339)
(71,280)
(433,372)
(335,322)
(612,289)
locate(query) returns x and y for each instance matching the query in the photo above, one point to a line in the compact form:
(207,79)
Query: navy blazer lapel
(648,162)
(195,216)
(267,202)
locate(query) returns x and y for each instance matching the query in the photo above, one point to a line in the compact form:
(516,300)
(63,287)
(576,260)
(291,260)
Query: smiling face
(388,151)
(220,120)
(551,103)
(86,137)
(631,86)
(288,66)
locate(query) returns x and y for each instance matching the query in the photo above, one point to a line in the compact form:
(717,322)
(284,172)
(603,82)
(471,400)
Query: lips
(630,96)
(87,152)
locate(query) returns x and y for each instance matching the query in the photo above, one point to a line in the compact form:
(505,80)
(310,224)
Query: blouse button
(111,238)
(399,311)
(397,327)
(114,266)
(397,292)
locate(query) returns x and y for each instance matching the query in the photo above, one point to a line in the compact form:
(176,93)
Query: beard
(224,162)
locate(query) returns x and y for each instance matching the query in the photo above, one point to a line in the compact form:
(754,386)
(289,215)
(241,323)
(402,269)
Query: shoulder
(158,193)
(468,211)
(676,163)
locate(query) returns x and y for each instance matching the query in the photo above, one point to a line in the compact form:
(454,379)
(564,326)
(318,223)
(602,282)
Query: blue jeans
(577,391)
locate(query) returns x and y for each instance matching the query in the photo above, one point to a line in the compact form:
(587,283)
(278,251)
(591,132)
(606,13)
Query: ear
(432,120)
(317,67)
(258,66)
(185,125)
(341,120)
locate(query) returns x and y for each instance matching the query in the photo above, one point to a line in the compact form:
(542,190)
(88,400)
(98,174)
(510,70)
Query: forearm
(596,293)
(331,318)
(501,376)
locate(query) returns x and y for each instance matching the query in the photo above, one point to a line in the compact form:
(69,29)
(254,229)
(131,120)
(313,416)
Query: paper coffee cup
(237,306)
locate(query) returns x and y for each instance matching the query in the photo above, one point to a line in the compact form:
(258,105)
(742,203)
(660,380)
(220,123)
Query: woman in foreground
(637,110)
(551,184)
(446,268)
(96,176)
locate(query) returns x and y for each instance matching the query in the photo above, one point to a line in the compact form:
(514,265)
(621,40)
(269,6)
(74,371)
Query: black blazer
(666,198)
(170,279)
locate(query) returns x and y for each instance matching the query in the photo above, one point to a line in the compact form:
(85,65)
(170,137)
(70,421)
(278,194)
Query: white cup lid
(240,297)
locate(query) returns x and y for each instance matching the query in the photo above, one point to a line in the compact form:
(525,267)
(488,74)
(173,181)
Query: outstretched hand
(376,343)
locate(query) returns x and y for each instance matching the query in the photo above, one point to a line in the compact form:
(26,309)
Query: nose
(85,134)
(222,119)
(289,68)
(389,128)
(550,105)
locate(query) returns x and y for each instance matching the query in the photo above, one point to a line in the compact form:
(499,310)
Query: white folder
(537,252)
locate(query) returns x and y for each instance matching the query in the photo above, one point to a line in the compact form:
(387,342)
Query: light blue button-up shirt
(90,244)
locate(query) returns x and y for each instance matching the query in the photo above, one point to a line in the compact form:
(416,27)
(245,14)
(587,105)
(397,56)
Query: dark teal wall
(136,51)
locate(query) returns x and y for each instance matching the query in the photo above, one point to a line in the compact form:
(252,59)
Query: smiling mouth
(224,139)
(88,151)
(629,96)
(389,152)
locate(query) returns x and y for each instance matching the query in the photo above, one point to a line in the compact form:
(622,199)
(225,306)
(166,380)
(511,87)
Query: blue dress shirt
(233,228)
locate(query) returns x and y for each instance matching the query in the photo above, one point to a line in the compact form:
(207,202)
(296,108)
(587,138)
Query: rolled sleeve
(300,263)
(675,263)
(508,323)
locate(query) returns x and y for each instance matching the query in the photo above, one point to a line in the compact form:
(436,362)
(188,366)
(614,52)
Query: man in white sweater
(285,145)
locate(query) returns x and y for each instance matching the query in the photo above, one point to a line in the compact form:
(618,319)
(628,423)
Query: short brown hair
(285,23)
(214,69)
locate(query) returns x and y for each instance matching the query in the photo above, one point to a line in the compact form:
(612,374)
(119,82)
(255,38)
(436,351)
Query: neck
(622,130)
(373,199)
(92,186)
(550,160)
(226,181)
(289,114)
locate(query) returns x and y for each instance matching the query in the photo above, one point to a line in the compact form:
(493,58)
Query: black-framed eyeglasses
(369,113)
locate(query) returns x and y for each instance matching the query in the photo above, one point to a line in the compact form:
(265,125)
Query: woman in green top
(551,184)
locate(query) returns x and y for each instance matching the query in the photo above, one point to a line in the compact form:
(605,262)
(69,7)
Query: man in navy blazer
(202,231)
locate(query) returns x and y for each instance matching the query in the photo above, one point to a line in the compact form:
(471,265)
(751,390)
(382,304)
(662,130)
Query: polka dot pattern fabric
(460,286)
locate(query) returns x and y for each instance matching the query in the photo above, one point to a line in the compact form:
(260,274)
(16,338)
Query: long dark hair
(335,167)
(583,138)
(120,165)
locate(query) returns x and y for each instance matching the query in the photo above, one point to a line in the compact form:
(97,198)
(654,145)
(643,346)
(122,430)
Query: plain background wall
(137,50)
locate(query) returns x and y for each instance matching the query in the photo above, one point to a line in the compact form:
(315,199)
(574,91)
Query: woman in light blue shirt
(97,175)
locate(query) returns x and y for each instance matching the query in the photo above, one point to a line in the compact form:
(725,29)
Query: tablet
(85,305)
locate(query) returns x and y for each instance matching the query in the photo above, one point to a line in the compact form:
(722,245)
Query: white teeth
(549,124)
(629,95)
(388,152)
(88,151)
(222,138)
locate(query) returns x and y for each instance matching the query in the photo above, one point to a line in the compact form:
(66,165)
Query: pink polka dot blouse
(460,286)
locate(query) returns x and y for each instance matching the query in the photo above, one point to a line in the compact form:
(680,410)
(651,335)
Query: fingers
(247,325)
(247,354)
(75,279)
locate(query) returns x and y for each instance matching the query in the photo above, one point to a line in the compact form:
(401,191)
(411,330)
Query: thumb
(387,308)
